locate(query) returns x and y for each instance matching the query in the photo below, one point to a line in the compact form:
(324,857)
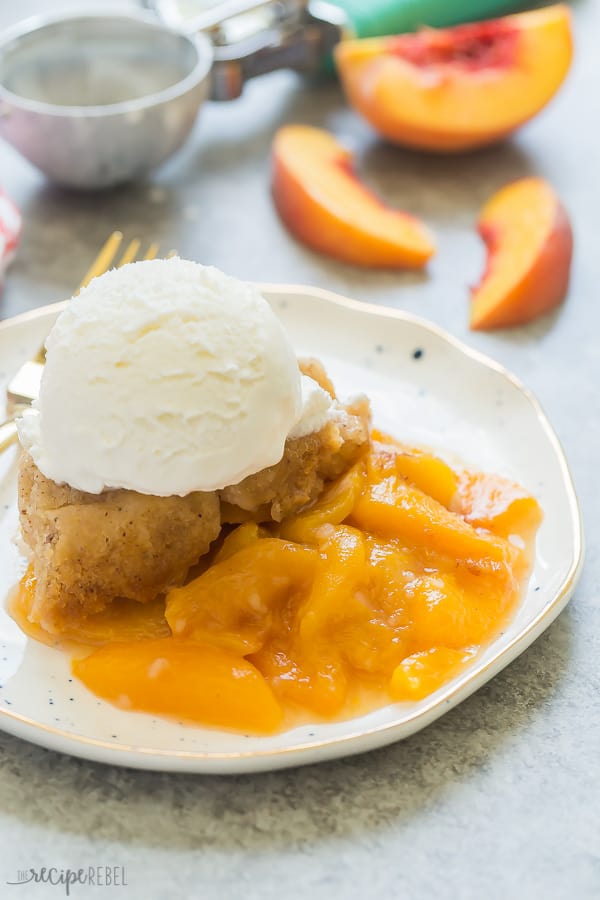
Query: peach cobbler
(216,537)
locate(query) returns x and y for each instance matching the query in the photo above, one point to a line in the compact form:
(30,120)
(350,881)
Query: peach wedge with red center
(325,206)
(458,88)
(529,247)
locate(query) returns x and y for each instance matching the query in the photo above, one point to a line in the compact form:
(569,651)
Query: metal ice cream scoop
(100,98)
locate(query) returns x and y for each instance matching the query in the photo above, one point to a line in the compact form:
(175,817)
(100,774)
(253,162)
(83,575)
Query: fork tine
(151,251)
(130,253)
(104,258)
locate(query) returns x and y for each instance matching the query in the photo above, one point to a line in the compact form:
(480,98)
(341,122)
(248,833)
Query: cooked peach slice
(345,607)
(529,245)
(332,508)
(462,87)
(489,501)
(339,577)
(317,681)
(393,508)
(242,536)
(182,679)
(323,204)
(419,675)
(426,471)
(232,604)
(456,610)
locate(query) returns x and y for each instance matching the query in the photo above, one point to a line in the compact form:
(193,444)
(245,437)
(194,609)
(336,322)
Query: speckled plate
(425,387)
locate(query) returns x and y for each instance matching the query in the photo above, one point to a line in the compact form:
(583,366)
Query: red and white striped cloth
(10,231)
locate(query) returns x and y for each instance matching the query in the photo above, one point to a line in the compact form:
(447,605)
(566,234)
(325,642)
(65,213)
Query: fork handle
(8,435)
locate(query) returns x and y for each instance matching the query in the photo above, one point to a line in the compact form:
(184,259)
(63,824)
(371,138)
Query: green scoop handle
(370,18)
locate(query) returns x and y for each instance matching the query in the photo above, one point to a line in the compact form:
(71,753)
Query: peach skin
(322,202)
(529,247)
(458,88)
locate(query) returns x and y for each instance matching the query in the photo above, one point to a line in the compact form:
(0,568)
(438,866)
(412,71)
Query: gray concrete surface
(499,799)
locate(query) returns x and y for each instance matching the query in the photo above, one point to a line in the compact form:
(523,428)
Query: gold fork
(24,386)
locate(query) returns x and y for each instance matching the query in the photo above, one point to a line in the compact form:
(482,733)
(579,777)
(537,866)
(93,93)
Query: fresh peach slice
(323,204)
(462,87)
(530,244)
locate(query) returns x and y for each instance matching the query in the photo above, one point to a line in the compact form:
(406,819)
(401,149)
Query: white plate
(426,388)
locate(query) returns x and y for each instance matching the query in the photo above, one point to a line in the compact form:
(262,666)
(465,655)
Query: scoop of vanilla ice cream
(163,377)
(317,408)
